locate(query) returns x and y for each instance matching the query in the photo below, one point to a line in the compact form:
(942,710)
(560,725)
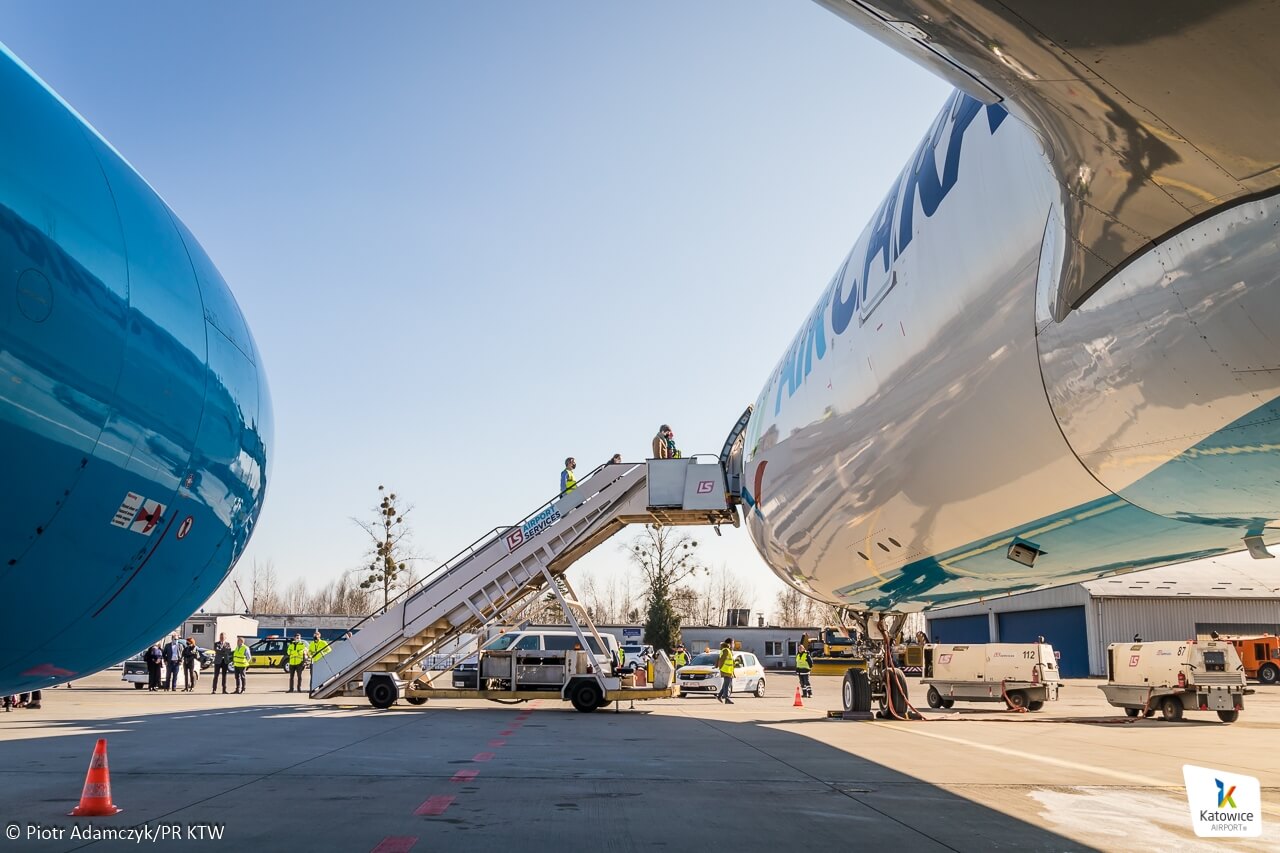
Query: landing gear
(856,692)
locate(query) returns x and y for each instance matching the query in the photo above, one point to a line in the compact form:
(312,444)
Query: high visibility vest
(240,657)
(726,661)
(570,482)
(319,648)
(802,661)
(680,659)
(622,658)
(297,651)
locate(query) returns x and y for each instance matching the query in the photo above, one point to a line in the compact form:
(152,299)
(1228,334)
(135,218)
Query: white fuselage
(932,411)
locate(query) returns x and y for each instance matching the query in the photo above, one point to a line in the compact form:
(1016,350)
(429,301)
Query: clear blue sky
(473,238)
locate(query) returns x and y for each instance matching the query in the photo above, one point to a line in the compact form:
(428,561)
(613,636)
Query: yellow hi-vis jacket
(680,659)
(802,661)
(297,653)
(240,657)
(726,661)
(319,648)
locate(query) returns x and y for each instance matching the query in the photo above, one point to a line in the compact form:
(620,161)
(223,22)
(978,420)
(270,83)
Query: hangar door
(960,629)
(1062,627)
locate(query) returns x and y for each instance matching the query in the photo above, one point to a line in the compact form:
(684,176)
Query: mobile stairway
(507,569)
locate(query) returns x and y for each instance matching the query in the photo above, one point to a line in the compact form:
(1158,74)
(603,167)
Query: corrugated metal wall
(1170,618)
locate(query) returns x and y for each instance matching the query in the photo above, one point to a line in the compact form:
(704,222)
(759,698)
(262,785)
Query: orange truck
(1260,656)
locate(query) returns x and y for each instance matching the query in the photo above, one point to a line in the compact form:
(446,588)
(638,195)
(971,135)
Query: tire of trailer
(1229,716)
(856,691)
(1171,709)
(1132,712)
(933,697)
(1035,704)
(416,700)
(382,692)
(586,697)
(1017,699)
(947,703)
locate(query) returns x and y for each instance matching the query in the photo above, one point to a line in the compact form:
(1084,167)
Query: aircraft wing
(1153,112)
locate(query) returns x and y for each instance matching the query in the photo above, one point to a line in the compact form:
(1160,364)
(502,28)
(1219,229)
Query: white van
(1174,677)
(466,674)
(1022,675)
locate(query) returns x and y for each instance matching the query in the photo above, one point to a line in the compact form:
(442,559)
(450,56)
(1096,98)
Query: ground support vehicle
(1260,656)
(1173,677)
(1021,675)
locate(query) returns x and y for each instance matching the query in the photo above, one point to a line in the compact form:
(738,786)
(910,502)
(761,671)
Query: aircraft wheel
(856,691)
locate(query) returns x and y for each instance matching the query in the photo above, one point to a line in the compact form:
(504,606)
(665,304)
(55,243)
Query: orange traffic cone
(798,703)
(95,799)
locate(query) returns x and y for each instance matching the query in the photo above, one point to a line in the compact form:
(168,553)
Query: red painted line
(483,756)
(507,732)
(497,742)
(465,775)
(434,805)
(396,844)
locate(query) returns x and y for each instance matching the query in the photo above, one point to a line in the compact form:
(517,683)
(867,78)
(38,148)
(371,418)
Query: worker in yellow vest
(240,660)
(319,647)
(680,657)
(725,664)
(297,651)
(622,658)
(803,665)
(568,482)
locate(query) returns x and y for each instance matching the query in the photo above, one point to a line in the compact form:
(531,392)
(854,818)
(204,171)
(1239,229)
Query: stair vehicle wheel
(1171,709)
(416,700)
(1132,712)
(933,697)
(587,696)
(382,692)
(1229,716)
(856,691)
(759,691)
(1269,674)
(1017,699)
(947,703)
(1035,705)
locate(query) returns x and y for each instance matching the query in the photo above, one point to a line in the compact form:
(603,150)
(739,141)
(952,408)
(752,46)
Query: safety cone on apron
(798,703)
(95,799)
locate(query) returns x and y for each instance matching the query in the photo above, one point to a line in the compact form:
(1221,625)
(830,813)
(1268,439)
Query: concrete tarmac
(274,771)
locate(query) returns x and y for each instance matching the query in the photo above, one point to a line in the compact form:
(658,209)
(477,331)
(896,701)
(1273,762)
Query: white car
(701,675)
(636,656)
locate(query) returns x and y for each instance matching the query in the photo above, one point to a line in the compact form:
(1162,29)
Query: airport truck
(1260,656)
(1173,677)
(1021,675)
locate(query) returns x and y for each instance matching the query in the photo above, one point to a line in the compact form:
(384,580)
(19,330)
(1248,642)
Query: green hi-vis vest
(622,658)
(802,660)
(726,661)
(297,652)
(680,659)
(319,648)
(240,657)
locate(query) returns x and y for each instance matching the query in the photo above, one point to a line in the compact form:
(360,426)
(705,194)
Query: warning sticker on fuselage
(138,514)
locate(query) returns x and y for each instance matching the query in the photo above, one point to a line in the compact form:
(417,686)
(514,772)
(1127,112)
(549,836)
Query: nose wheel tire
(856,691)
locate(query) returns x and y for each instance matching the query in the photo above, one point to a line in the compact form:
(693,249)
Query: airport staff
(240,660)
(319,647)
(680,658)
(567,481)
(221,662)
(297,651)
(725,665)
(622,657)
(803,665)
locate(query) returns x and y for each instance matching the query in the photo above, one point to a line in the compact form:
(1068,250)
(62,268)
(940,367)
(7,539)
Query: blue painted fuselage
(135,421)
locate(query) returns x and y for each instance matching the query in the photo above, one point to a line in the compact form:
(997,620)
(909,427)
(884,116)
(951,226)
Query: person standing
(297,651)
(680,657)
(661,447)
(319,647)
(568,482)
(172,660)
(803,665)
(154,658)
(221,662)
(725,665)
(190,660)
(240,660)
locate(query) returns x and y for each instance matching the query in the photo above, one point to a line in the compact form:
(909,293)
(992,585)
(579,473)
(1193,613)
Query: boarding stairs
(507,569)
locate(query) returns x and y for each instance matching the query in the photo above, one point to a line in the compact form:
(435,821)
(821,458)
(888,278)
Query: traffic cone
(799,703)
(95,799)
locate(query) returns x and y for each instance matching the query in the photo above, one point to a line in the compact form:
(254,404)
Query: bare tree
(667,558)
(264,585)
(722,591)
(687,602)
(608,603)
(795,609)
(388,559)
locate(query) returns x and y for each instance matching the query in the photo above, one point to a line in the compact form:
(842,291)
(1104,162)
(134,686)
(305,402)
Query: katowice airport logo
(1223,805)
